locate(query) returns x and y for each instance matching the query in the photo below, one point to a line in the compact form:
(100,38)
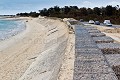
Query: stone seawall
(48,63)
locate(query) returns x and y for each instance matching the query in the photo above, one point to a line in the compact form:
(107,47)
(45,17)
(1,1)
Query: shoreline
(31,46)
(16,53)
(21,26)
(14,37)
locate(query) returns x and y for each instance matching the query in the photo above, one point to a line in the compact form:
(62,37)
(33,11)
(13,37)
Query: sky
(17,6)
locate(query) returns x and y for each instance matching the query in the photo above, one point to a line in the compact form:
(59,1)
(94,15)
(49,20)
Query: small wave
(9,28)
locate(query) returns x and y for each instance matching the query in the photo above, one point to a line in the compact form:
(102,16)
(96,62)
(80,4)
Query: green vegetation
(108,12)
(32,14)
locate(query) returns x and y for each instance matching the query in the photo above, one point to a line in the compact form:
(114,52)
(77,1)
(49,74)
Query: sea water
(9,28)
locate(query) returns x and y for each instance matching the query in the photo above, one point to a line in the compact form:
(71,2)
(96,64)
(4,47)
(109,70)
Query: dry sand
(115,36)
(21,50)
(67,69)
(18,52)
(48,63)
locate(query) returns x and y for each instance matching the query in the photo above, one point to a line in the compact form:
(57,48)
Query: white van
(107,23)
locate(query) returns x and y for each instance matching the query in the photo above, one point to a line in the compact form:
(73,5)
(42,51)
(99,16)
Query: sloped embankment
(48,63)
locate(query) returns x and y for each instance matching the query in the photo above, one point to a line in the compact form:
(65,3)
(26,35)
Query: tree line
(96,13)
(32,14)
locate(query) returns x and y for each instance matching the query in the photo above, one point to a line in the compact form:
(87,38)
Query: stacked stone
(94,31)
(109,48)
(90,64)
(117,71)
(98,37)
(104,43)
(103,39)
(90,28)
(97,34)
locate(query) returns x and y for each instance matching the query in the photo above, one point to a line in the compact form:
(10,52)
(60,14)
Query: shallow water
(9,28)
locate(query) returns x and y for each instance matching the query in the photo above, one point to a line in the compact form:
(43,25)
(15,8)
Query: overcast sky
(16,6)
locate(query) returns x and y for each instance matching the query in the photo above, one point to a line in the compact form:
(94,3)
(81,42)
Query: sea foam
(9,28)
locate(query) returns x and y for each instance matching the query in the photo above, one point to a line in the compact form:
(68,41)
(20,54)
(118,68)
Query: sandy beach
(18,52)
(43,51)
